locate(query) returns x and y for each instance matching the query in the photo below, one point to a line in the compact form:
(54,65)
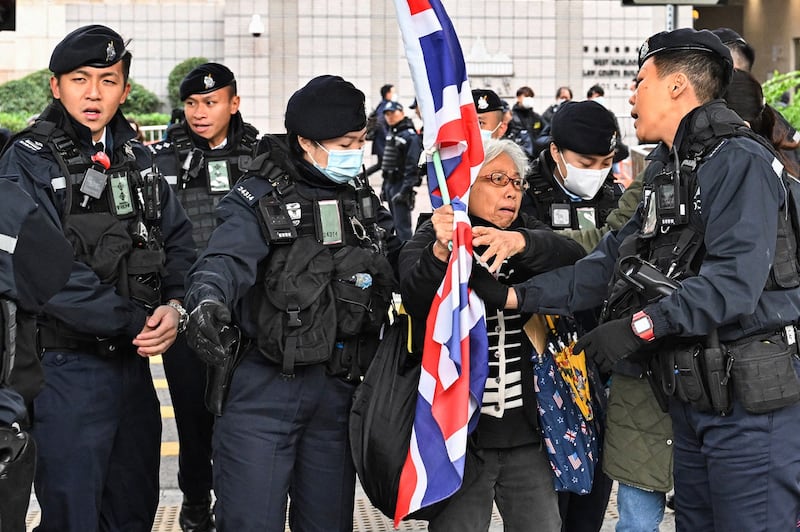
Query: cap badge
(644,50)
(111,53)
(208,81)
(613,144)
(483,102)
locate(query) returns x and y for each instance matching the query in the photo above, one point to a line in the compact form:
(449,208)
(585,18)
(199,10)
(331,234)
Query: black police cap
(584,127)
(730,38)
(326,107)
(205,78)
(486,100)
(687,39)
(95,46)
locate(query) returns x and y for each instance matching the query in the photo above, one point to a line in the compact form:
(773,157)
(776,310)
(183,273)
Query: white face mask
(394,97)
(527,102)
(584,182)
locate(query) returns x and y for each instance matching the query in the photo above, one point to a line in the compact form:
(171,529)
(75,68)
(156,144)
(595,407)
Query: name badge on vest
(560,215)
(121,200)
(328,221)
(587,217)
(219,180)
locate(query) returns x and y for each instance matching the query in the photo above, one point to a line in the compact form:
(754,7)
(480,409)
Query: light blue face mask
(343,165)
(486,134)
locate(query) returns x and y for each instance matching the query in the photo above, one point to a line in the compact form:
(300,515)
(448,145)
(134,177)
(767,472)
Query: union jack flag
(455,353)
(570,435)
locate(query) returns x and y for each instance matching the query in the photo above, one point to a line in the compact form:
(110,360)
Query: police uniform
(97,420)
(400,174)
(278,263)
(34,264)
(714,211)
(584,128)
(200,176)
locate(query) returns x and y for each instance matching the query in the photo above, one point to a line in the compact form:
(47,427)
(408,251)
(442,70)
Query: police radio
(152,197)
(671,198)
(280,228)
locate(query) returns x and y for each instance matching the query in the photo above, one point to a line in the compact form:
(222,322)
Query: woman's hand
(499,245)
(442,220)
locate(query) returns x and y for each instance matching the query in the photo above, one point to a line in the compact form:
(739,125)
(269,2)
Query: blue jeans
(518,479)
(639,510)
(282,438)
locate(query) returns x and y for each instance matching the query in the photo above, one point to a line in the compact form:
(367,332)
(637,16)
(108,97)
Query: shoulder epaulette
(252,190)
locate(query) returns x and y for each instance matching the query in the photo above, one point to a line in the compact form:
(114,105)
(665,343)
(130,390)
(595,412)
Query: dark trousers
(279,437)
(518,479)
(98,430)
(186,376)
(401,214)
(738,472)
(585,513)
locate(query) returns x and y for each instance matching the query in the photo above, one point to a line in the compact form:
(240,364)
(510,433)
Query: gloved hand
(203,331)
(402,198)
(609,343)
(493,292)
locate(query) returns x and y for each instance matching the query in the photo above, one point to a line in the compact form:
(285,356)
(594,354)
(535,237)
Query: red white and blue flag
(454,359)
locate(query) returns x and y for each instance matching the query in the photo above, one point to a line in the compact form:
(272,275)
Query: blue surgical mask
(486,134)
(343,165)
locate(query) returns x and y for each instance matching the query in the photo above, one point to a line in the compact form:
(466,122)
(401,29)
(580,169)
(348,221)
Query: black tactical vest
(111,217)
(205,176)
(555,207)
(324,293)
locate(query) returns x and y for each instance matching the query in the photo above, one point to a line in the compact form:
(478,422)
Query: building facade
(507,43)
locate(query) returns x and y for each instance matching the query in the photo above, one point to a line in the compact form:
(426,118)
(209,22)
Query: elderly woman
(506,461)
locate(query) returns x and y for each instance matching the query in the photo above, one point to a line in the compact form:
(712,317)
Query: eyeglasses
(501,179)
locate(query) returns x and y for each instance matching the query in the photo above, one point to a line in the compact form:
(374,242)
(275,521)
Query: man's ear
(679,83)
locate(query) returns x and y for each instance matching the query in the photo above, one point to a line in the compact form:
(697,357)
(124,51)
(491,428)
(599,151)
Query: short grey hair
(492,148)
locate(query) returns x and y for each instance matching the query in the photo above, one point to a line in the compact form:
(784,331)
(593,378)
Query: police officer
(202,156)
(97,420)
(713,212)
(490,114)
(571,183)
(400,175)
(35,260)
(297,263)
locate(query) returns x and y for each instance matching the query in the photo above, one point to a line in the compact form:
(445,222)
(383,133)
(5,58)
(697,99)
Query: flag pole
(440,178)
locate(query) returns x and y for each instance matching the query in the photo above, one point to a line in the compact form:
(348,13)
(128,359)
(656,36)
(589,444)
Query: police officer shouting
(298,264)
(400,173)
(715,271)
(97,420)
(202,157)
(35,260)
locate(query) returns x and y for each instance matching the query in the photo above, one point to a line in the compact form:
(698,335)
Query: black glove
(493,292)
(609,343)
(206,322)
(402,198)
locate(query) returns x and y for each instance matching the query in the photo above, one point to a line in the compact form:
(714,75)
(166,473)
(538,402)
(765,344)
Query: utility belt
(53,337)
(759,371)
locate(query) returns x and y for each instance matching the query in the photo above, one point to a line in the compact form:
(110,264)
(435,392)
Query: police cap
(205,78)
(730,38)
(486,100)
(95,46)
(687,39)
(584,127)
(392,106)
(326,107)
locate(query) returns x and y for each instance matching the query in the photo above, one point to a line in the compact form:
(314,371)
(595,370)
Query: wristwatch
(642,326)
(184,318)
